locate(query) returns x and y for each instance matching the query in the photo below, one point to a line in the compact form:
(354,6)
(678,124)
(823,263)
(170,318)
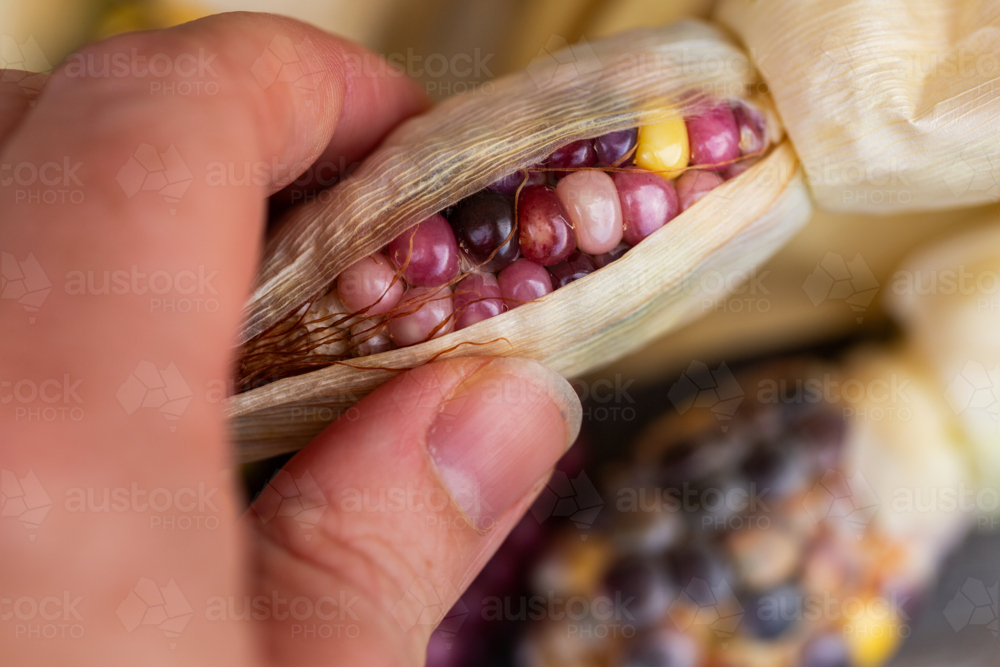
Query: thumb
(387,516)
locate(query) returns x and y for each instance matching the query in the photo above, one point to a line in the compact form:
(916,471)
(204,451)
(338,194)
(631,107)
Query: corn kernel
(664,147)
(873,638)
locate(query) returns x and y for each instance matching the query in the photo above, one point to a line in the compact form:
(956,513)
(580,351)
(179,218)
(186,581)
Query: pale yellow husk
(892,105)
(948,299)
(656,286)
(903,444)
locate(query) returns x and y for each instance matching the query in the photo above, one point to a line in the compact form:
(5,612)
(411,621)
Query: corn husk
(470,141)
(891,104)
(948,298)
(574,329)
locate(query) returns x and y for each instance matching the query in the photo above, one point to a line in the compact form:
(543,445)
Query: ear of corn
(470,141)
(651,289)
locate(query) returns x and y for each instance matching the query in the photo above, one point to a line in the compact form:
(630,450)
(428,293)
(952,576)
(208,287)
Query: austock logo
(976,171)
(577,499)
(424,604)
(24,499)
(164,390)
(837,280)
(24,282)
(713,607)
(150,170)
(701,387)
(285,62)
(162,606)
(848,502)
(836,60)
(975,605)
(559,63)
(24,63)
(975,393)
(300,499)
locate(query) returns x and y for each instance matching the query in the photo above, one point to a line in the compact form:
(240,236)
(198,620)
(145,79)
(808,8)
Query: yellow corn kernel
(873,636)
(663,147)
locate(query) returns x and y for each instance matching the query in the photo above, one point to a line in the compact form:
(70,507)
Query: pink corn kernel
(430,317)
(368,284)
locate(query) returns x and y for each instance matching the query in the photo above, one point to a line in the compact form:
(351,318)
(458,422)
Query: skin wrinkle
(339,580)
(347,561)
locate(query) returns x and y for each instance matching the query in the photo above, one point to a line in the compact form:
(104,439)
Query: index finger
(133,197)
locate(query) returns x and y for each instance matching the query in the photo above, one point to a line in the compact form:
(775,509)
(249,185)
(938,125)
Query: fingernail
(500,432)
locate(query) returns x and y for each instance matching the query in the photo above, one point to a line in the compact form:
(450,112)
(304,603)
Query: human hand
(466,443)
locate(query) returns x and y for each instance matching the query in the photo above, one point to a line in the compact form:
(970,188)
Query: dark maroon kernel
(544,233)
(648,200)
(574,155)
(613,146)
(577,266)
(482,223)
(434,259)
(600,261)
(509,184)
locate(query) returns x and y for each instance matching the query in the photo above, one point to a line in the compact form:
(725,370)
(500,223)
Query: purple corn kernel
(577,266)
(523,281)
(648,202)
(482,224)
(477,298)
(434,260)
(714,137)
(574,155)
(613,146)
(693,185)
(600,261)
(509,184)
(738,167)
(544,233)
(752,127)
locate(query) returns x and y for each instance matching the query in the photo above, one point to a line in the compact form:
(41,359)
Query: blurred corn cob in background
(795,514)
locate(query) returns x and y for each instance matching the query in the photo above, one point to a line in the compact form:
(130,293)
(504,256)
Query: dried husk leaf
(592,321)
(948,298)
(892,105)
(904,446)
(470,140)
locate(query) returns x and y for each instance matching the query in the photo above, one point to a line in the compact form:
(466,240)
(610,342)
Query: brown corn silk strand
(437,159)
